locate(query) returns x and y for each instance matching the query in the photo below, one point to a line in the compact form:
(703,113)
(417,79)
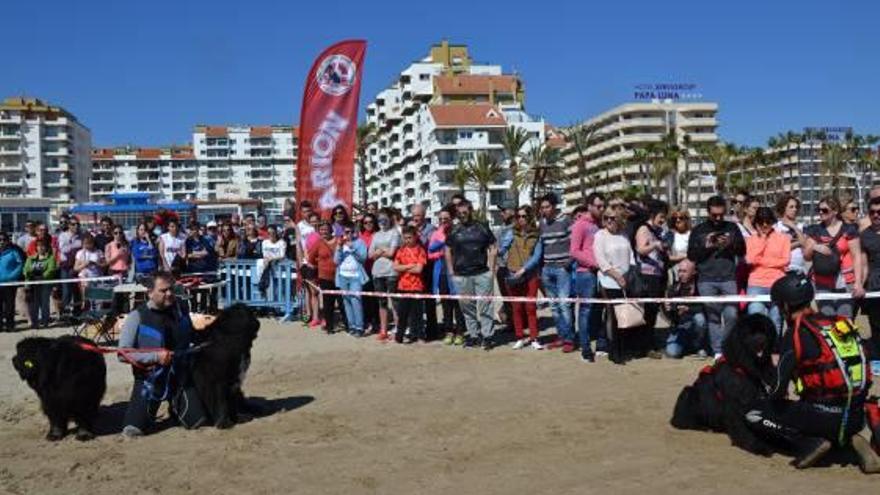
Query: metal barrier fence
(242,279)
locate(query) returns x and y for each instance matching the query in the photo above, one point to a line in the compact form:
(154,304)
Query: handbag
(828,265)
(629,315)
(635,282)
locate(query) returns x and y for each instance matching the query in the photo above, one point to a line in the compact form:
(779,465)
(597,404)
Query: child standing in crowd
(408,263)
(41,266)
(89,263)
(118,254)
(351,254)
(145,253)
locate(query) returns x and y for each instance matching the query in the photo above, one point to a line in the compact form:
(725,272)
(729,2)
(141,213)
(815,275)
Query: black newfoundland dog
(218,369)
(69,381)
(720,397)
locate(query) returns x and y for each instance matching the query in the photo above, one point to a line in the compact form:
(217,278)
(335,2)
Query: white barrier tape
(587,300)
(57,281)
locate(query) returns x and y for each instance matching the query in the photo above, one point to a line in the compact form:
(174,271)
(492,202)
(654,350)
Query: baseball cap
(211,224)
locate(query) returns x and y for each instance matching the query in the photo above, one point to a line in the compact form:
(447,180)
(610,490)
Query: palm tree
(664,157)
(834,160)
(640,157)
(461,176)
(722,155)
(365,136)
(484,171)
(544,168)
(513,140)
(582,137)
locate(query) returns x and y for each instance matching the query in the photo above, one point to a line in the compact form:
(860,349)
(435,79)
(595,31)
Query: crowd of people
(604,248)
(109,255)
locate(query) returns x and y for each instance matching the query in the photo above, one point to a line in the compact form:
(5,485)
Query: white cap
(212,224)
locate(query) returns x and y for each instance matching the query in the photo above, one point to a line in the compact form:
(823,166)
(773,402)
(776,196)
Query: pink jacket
(582,234)
(769,258)
(437,237)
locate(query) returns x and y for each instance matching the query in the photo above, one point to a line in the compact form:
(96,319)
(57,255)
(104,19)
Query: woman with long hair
(340,218)
(523,259)
(118,254)
(652,260)
(613,255)
(227,244)
(144,252)
(441,283)
(787,209)
(834,249)
(321,257)
(368,227)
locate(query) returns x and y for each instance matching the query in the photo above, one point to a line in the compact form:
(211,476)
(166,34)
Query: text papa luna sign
(667,91)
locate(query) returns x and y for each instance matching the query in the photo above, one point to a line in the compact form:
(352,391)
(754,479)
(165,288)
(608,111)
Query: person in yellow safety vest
(826,359)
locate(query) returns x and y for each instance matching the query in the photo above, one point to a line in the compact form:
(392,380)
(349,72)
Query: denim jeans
(584,286)
(721,317)
(354,311)
(71,299)
(477,314)
(38,306)
(686,337)
(766,309)
(837,307)
(556,281)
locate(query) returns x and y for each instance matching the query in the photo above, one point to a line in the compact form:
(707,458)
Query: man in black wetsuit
(827,361)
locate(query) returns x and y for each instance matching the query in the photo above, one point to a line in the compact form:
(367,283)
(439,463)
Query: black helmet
(793,289)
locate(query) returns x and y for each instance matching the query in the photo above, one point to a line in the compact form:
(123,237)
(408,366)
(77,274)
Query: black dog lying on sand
(69,381)
(720,397)
(219,368)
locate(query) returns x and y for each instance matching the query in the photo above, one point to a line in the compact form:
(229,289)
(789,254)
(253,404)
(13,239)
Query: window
(424,77)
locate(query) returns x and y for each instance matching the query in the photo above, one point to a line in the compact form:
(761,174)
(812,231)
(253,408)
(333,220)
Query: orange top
(769,257)
(321,256)
(411,255)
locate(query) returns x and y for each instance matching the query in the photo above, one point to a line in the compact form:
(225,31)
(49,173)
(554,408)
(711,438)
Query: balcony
(10,151)
(10,136)
(60,167)
(108,180)
(61,136)
(11,168)
(57,152)
(6,118)
(58,183)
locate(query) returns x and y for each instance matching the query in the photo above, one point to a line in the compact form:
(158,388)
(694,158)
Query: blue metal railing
(242,285)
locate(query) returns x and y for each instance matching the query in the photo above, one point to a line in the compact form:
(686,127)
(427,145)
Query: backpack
(828,265)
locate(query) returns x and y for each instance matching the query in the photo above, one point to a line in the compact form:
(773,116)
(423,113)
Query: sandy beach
(355,416)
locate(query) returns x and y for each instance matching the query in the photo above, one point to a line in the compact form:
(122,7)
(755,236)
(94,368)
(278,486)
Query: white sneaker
(717,356)
(601,354)
(537,346)
(519,344)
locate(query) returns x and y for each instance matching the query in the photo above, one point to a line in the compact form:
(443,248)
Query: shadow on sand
(111,417)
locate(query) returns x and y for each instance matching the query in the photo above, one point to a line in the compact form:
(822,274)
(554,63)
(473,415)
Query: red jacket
(582,234)
(321,256)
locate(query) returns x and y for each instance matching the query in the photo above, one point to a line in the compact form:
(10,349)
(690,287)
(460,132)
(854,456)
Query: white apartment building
(223,162)
(44,152)
(609,166)
(442,109)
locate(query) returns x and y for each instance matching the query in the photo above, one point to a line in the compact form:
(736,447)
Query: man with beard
(161,328)
(715,245)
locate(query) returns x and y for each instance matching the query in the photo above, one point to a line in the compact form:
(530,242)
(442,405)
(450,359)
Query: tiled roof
(148,153)
(261,131)
(553,137)
(183,153)
(470,84)
(214,131)
(102,154)
(467,115)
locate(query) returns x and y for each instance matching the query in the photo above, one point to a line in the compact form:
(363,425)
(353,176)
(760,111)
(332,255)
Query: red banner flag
(328,126)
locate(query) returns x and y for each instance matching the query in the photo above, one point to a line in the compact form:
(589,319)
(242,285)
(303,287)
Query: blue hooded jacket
(11,264)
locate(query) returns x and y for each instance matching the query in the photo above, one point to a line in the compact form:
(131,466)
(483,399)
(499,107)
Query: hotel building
(44,152)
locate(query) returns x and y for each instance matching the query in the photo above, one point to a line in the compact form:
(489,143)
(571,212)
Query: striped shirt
(556,241)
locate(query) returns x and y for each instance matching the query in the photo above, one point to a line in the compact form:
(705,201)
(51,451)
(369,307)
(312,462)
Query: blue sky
(146,72)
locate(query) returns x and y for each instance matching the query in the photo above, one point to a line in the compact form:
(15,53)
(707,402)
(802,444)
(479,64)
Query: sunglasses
(873,212)
(522,216)
(736,201)
(853,209)
(609,219)
(824,211)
